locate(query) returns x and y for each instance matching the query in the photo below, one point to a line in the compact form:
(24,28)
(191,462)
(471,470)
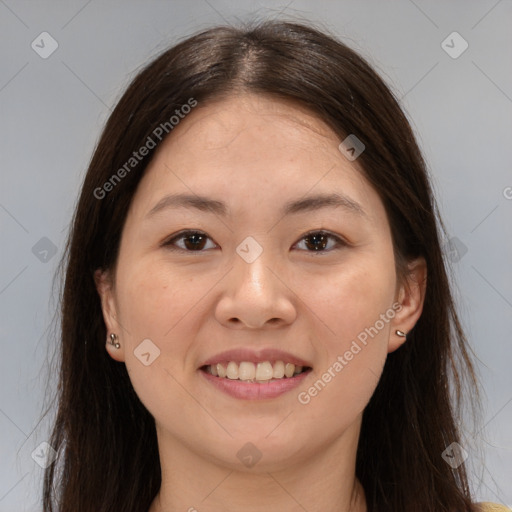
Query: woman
(256,313)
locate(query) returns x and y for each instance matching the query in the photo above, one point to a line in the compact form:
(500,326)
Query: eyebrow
(302,205)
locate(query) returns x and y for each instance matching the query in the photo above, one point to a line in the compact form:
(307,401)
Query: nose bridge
(254,295)
(251,262)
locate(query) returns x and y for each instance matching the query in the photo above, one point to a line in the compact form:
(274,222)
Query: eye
(195,241)
(319,240)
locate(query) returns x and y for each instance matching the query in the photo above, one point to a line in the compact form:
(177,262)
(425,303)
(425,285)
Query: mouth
(261,372)
(254,381)
(254,373)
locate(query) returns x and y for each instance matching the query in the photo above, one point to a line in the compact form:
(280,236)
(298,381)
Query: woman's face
(254,284)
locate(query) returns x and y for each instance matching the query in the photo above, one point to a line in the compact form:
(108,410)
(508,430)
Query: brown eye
(318,241)
(193,241)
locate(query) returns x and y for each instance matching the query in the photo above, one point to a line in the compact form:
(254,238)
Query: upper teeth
(246,370)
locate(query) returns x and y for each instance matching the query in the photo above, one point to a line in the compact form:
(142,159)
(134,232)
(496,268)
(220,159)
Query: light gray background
(52,111)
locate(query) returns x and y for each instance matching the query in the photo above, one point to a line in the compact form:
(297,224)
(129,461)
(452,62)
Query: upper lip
(255,356)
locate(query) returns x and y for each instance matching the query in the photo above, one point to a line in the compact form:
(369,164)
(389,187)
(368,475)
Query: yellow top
(493,507)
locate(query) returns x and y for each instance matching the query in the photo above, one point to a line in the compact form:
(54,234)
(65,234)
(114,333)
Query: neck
(324,480)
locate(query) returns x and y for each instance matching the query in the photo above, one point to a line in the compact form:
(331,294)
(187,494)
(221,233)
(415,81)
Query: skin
(256,153)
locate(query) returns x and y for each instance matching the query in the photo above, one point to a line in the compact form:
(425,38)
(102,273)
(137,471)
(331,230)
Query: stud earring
(400,333)
(113,340)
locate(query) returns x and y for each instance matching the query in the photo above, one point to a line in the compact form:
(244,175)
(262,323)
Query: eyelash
(169,243)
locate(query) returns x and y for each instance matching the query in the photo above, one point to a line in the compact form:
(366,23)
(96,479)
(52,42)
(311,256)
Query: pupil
(318,239)
(197,239)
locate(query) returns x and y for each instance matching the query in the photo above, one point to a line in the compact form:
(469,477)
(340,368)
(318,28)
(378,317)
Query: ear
(105,288)
(411,297)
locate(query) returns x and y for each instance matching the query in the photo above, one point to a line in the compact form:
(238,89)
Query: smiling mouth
(262,372)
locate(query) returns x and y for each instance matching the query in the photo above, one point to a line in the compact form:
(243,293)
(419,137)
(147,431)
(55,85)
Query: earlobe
(411,296)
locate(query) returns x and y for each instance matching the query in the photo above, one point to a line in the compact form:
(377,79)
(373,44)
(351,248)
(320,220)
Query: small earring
(400,333)
(113,338)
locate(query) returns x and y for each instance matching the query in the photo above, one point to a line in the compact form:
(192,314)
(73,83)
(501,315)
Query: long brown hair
(106,440)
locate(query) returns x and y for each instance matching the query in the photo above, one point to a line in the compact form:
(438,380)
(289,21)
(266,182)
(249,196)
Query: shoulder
(491,507)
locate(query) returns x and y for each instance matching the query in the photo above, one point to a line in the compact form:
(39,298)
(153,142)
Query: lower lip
(255,390)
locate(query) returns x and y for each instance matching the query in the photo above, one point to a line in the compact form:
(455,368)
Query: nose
(256,295)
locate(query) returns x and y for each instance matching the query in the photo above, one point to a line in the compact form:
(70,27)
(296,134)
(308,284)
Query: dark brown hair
(106,440)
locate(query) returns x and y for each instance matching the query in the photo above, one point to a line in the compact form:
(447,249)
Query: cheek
(153,300)
(355,308)
(352,298)
(158,306)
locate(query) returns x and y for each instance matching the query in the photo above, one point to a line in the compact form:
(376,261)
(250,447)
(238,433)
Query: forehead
(217,122)
(254,149)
